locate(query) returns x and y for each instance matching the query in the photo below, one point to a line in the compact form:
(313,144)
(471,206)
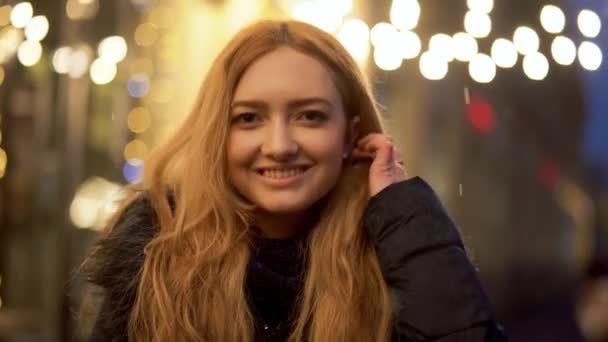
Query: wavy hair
(192,285)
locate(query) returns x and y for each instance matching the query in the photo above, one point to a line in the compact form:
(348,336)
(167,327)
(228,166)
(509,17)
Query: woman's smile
(284,176)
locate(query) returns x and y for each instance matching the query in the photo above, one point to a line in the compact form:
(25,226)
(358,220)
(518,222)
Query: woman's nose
(279,143)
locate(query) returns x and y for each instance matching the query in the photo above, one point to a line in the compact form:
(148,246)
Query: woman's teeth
(282,173)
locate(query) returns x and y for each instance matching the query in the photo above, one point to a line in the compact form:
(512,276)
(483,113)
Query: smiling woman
(280,211)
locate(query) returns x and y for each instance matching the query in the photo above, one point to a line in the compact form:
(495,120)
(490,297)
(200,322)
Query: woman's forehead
(286,74)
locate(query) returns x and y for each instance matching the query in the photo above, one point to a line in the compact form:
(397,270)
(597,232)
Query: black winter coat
(435,292)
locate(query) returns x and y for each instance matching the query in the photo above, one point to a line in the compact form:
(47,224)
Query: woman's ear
(351,135)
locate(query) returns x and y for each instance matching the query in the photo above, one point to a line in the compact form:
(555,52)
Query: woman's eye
(313,116)
(246,119)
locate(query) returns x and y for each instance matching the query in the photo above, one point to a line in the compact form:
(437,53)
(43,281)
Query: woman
(280,211)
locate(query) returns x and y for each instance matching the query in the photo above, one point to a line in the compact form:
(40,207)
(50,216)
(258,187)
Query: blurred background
(501,105)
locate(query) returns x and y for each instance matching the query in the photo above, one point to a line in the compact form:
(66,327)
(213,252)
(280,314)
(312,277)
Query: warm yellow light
(504,53)
(29,52)
(405,14)
(142,65)
(94,202)
(526,40)
(589,23)
(536,66)
(338,7)
(37,28)
(319,14)
(21,14)
(432,66)
(146,34)
(3,162)
(162,16)
(112,49)
(465,46)
(553,19)
(383,34)
(136,149)
(354,35)
(0,137)
(5,15)
(387,57)
(484,6)
(563,50)
(441,44)
(102,71)
(162,90)
(79,63)
(138,119)
(80,10)
(1,75)
(482,68)
(590,56)
(478,24)
(62,59)
(409,44)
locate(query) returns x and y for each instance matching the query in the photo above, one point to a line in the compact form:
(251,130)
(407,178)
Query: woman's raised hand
(387,167)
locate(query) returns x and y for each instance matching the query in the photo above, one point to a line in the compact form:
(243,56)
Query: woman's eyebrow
(291,104)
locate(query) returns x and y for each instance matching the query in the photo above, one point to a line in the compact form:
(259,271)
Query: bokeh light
(481,115)
(102,71)
(37,28)
(467,46)
(404,14)
(136,149)
(384,34)
(552,19)
(62,59)
(482,68)
(409,44)
(354,36)
(93,198)
(29,52)
(3,162)
(81,10)
(590,56)
(433,66)
(142,65)
(563,50)
(324,15)
(138,119)
(504,53)
(138,85)
(1,79)
(21,14)
(5,15)
(146,34)
(536,66)
(477,24)
(79,62)
(387,57)
(526,40)
(589,23)
(133,170)
(442,44)
(112,49)
(484,6)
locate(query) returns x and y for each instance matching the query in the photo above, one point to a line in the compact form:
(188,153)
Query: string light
(354,35)
(62,59)
(482,68)
(112,49)
(409,44)
(102,71)
(29,52)
(478,24)
(383,34)
(590,56)
(442,44)
(484,6)
(405,14)
(526,40)
(504,53)
(37,28)
(536,66)
(563,50)
(467,46)
(21,14)
(589,23)
(138,120)
(387,57)
(552,19)
(433,66)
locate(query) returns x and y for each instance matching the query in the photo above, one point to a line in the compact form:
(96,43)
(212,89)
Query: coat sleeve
(115,266)
(434,290)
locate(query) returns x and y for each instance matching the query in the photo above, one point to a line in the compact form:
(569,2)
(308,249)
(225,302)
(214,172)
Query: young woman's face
(288,132)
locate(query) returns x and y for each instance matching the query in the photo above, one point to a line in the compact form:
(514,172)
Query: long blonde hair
(192,285)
